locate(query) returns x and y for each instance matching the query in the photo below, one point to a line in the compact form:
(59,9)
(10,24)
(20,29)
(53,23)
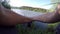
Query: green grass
(50,30)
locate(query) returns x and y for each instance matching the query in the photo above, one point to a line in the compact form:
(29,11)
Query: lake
(27,13)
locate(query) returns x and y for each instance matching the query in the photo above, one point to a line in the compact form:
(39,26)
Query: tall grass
(31,30)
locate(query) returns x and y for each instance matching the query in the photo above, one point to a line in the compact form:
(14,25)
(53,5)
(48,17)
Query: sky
(32,3)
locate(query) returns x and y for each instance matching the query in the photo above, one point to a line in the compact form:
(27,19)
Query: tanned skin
(51,17)
(8,17)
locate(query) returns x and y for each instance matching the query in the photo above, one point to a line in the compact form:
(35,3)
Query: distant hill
(31,9)
(34,9)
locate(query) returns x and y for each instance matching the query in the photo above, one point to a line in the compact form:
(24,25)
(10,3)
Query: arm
(50,17)
(9,17)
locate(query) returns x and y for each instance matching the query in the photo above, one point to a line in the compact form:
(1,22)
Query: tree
(5,4)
